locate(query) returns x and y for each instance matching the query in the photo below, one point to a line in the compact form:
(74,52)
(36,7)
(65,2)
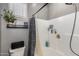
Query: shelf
(17,26)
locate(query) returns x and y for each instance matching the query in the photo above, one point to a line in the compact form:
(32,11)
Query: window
(19,9)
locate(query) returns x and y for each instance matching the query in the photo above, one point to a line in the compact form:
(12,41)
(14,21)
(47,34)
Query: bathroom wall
(2,6)
(63,26)
(33,7)
(58,46)
(0,27)
(60,9)
(11,35)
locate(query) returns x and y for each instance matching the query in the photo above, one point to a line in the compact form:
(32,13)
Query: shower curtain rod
(40,9)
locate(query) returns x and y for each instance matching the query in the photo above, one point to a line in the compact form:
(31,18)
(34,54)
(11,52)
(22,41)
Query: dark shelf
(17,26)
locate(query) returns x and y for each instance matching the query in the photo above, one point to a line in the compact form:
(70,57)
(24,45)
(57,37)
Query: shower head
(68,3)
(71,4)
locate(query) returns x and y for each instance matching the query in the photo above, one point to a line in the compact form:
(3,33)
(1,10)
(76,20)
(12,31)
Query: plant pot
(11,23)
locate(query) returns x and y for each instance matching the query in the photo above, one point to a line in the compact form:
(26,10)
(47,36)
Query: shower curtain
(32,37)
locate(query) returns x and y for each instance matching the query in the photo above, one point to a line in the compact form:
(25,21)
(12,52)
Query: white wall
(63,26)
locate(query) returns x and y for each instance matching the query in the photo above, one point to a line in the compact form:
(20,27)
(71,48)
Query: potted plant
(8,16)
